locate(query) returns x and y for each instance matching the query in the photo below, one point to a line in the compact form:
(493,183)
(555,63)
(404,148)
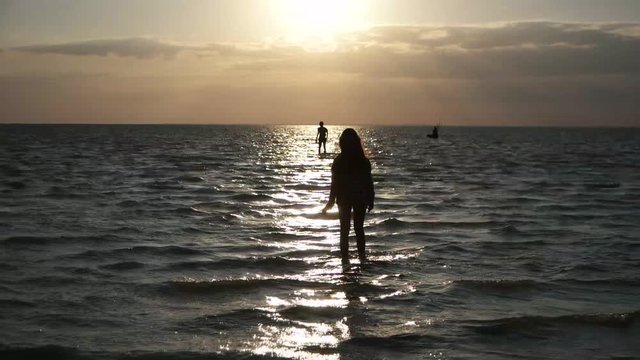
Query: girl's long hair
(350,144)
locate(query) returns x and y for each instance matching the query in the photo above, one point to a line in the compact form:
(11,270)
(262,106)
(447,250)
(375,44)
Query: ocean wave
(52,280)
(449,248)
(584,267)
(14,303)
(395,223)
(510,245)
(8,290)
(123,265)
(257,214)
(231,320)
(129,203)
(251,197)
(429,206)
(55,352)
(57,240)
(508,229)
(281,236)
(382,258)
(231,218)
(189,178)
(81,271)
(523,199)
(622,282)
(41,352)
(313,313)
(196,230)
(519,285)
(243,284)
(127,229)
(316,252)
(189,211)
(164,185)
(163,250)
(60,192)
(391,223)
(9,170)
(206,190)
(268,263)
(500,285)
(527,323)
(321,216)
(556,207)
(604,185)
(15,185)
(7,267)
(408,341)
(307,187)
(171,250)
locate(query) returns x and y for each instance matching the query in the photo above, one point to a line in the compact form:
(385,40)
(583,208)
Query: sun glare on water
(306,20)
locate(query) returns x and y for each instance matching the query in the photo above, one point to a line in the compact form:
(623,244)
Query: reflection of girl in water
(352,189)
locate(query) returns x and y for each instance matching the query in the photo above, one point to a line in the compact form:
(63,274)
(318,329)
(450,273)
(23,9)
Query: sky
(377,62)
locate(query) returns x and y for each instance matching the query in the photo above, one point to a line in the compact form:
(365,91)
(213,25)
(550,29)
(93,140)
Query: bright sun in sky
(305,19)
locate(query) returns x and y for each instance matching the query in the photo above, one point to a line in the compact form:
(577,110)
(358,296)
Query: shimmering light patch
(408,290)
(287,196)
(276,301)
(395,257)
(291,341)
(323,302)
(295,336)
(303,246)
(309,223)
(329,274)
(341,325)
(308,292)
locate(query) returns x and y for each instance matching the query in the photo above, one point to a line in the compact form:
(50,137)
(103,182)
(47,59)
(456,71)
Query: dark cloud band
(130,47)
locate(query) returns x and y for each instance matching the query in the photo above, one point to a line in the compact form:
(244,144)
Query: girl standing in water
(352,189)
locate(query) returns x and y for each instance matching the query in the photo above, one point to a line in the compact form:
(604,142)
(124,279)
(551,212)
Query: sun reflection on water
(309,322)
(300,338)
(311,316)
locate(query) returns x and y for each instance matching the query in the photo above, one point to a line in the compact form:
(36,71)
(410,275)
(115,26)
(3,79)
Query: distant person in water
(434,133)
(321,137)
(352,189)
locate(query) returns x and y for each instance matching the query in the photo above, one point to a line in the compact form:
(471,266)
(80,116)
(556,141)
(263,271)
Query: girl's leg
(358,226)
(345,220)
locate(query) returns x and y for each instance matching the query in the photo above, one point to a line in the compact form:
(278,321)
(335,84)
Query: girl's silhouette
(352,189)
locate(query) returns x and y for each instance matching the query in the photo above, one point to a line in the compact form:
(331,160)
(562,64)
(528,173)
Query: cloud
(511,73)
(139,47)
(149,48)
(528,49)
(519,49)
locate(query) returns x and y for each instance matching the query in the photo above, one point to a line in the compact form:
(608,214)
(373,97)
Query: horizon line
(341,125)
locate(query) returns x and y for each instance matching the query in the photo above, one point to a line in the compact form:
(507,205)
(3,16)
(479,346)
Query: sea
(208,242)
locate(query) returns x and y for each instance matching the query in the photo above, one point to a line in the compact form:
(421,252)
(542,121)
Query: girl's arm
(332,193)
